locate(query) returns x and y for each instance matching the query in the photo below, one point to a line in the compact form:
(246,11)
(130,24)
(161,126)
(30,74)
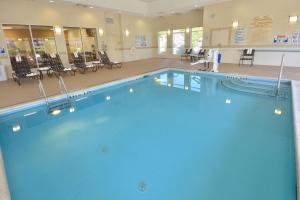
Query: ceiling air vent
(109,20)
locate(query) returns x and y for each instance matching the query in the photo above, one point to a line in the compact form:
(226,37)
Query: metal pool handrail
(280,74)
(43,93)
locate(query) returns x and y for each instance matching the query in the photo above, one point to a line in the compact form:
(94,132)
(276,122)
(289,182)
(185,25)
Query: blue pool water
(173,136)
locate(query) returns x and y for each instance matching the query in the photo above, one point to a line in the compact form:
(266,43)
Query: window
(18,41)
(162,42)
(81,40)
(196,38)
(73,41)
(43,41)
(178,41)
(90,44)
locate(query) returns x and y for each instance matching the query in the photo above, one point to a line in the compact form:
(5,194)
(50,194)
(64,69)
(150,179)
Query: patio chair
(201,55)
(57,66)
(248,55)
(187,53)
(80,64)
(21,69)
(106,61)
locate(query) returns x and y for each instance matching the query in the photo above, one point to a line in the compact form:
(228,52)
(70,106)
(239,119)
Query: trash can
(3,76)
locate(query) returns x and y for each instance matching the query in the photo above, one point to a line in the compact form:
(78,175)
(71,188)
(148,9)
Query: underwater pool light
(278,111)
(228,101)
(108,98)
(16,128)
(186,88)
(56,112)
(131,90)
(72,109)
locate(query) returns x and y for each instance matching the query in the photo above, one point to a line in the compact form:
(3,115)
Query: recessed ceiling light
(91,7)
(196,6)
(51,1)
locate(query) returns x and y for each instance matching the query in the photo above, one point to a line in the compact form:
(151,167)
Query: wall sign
(240,35)
(2,51)
(281,39)
(296,38)
(141,41)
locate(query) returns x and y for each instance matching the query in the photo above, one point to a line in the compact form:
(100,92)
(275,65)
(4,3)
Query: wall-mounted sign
(141,41)
(296,38)
(2,51)
(240,35)
(281,39)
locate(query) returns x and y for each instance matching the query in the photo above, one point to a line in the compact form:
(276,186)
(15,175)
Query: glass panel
(178,41)
(43,41)
(90,43)
(18,41)
(162,41)
(73,41)
(197,38)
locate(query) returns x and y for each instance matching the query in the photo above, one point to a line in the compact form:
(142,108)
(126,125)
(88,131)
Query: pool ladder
(63,91)
(280,75)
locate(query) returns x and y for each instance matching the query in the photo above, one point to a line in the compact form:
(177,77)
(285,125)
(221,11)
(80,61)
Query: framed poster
(296,38)
(240,35)
(141,41)
(281,39)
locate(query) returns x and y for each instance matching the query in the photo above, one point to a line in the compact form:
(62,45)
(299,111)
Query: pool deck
(12,94)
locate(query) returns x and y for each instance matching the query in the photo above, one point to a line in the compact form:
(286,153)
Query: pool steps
(251,87)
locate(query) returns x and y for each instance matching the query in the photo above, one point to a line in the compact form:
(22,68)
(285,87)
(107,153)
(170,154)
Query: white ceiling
(148,7)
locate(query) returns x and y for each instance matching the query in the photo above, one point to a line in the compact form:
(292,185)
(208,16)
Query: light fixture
(19,39)
(187,30)
(57,30)
(108,98)
(56,112)
(127,33)
(169,32)
(186,88)
(235,24)
(278,111)
(46,39)
(293,19)
(196,6)
(228,101)
(157,79)
(72,109)
(101,32)
(169,85)
(91,7)
(131,90)
(16,128)
(51,1)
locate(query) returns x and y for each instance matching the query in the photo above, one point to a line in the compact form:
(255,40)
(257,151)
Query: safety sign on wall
(281,39)
(296,38)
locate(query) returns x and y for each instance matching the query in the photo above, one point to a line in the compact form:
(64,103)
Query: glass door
(90,43)
(73,41)
(19,43)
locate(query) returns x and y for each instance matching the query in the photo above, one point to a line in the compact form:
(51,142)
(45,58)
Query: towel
(18,58)
(249,51)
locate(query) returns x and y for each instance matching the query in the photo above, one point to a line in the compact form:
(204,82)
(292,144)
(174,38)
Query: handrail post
(43,93)
(280,74)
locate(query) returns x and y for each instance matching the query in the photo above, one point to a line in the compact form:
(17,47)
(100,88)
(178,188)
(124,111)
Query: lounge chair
(247,54)
(106,61)
(187,53)
(80,64)
(199,56)
(57,66)
(22,69)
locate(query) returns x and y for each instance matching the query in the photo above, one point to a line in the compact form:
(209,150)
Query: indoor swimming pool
(171,135)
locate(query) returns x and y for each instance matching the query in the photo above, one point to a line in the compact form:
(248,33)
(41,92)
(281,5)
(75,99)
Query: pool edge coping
(296,115)
(295,85)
